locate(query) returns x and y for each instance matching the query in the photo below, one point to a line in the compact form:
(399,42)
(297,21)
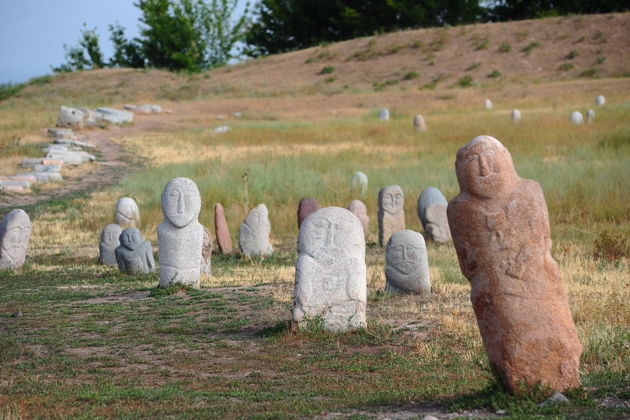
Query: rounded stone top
(181,201)
(484,167)
(111,233)
(258,216)
(357,206)
(131,237)
(128,207)
(576,118)
(404,250)
(391,198)
(15,218)
(428,197)
(331,230)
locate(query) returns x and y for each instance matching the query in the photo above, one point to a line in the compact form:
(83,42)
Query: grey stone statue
(15,232)
(134,255)
(253,235)
(406,264)
(110,240)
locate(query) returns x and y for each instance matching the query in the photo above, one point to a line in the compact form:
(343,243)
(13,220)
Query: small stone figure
(406,264)
(487,104)
(206,252)
(253,235)
(590,116)
(127,213)
(516,115)
(576,118)
(600,100)
(15,232)
(383,114)
(357,207)
(110,240)
(330,271)
(180,235)
(134,255)
(500,228)
(221,230)
(419,123)
(432,214)
(307,206)
(360,183)
(391,214)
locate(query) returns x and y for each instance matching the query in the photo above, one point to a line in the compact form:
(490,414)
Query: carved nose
(484,168)
(180,205)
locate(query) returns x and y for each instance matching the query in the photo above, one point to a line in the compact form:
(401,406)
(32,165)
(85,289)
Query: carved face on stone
(15,232)
(484,167)
(392,199)
(127,210)
(330,231)
(258,219)
(181,201)
(403,252)
(131,238)
(111,234)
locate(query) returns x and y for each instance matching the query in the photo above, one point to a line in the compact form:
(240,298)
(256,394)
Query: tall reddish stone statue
(500,228)
(221,230)
(307,206)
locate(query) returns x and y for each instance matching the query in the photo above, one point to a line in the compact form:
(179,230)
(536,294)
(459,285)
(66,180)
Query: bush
(410,75)
(611,245)
(505,48)
(327,70)
(465,81)
(572,54)
(566,67)
(530,47)
(494,73)
(473,66)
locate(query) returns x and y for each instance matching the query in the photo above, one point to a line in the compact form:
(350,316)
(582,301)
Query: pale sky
(32,32)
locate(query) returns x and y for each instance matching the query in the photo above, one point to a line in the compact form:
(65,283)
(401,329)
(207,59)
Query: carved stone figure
(419,123)
(487,104)
(15,232)
(206,252)
(253,235)
(407,264)
(307,206)
(516,115)
(180,235)
(330,271)
(391,214)
(127,213)
(383,114)
(600,100)
(134,255)
(110,240)
(576,118)
(360,183)
(500,228)
(221,230)
(432,213)
(590,116)
(357,207)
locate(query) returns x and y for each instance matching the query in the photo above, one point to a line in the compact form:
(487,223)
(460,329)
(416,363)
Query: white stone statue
(15,232)
(253,235)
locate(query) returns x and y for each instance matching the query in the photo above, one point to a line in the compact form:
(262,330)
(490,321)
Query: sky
(32,32)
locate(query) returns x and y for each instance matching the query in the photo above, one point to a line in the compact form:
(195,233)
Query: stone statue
(419,123)
(432,214)
(406,264)
(180,235)
(134,255)
(391,214)
(15,232)
(110,240)
(500,228)
(206,252)
(330,271)
(221,230)
(360,183)
(357,207)
(307,206)
(127,213)
(253,235)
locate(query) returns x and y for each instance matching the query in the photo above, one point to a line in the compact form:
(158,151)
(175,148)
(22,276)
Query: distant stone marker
(500,228)
(134,255)
(432,214)
(127,213)
(114,116)
(419,123)
(600,100)
(407,264)
(70,117)
(221,230)
(206,252)
(383,114)
(576,118)
(357,207)
(391,214)
(253,235)
(360,183)
(15,232)
(487,104)
(516,115)
(180,235)
(307,206)
(330,271)
(590,115)
(110,240)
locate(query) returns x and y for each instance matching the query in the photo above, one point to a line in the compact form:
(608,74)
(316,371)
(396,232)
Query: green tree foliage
(530,9)
(283,25)
(86,55)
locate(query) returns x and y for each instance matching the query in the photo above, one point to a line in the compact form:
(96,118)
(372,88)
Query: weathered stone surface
(31,162)
(39,176)
(253,235)
(144,108)
(180,235)
(24,176)
(70,157)
(62,133)
(432,214)
(500,228)
(206,252)
(70,117)
(89,117)
(576,118)
(383,114)
(127,213)
(407,264)
(419,123)
(114,116)
(391,214)
(590,115)
(516,115)
(600,100)
(222,129)
(52,168)
(357,207)
(487,104)
(134,255)
(15,232)
(75,143)
(307,206)
(110,240)
(14,185)
(330,271)
(360,183)
(221,230)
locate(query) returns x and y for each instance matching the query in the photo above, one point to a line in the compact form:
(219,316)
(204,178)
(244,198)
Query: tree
(76,56)
(524,9)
